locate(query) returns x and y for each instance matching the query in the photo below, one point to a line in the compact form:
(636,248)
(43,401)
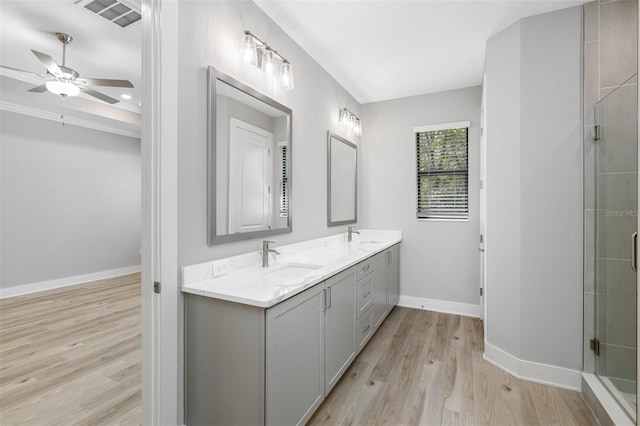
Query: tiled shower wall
(610,59)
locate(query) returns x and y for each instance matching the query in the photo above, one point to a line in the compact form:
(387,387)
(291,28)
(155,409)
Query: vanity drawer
(364,328)
(365,300)
(364,269)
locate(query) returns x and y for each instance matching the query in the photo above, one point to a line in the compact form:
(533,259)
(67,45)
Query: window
(442,171)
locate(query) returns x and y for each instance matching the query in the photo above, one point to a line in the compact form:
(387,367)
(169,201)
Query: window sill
(433,219)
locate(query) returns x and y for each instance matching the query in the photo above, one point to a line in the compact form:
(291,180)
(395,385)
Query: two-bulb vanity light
(350,122)
(258,54)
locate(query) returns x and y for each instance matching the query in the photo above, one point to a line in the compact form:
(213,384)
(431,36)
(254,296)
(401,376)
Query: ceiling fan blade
(22,71)
(48,62)
(99,95)
(106,82)
(39,89)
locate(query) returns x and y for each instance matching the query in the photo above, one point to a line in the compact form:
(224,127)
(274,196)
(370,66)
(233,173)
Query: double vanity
(265,345)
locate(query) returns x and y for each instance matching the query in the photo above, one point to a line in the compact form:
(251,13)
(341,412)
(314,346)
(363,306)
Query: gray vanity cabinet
(247,365)
(340,330)
(393,273)
(294,363)
(310,342)
(379,296)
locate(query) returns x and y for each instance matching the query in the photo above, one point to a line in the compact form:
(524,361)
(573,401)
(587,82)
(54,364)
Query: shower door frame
(604,130)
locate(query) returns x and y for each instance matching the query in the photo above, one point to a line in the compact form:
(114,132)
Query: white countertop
(298,267)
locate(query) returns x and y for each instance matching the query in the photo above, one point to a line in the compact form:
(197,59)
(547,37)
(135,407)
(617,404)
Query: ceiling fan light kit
(65,81)
(62,88)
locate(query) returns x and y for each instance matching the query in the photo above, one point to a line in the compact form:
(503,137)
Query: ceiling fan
(65,81)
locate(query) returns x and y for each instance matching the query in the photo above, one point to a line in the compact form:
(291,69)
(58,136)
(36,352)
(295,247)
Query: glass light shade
(286,75)
(344,118)
(352,122)
(63,88)
(358,129)
(268,67)
(248,49)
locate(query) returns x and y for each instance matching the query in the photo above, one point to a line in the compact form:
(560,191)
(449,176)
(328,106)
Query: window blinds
(442,172)
(284,182)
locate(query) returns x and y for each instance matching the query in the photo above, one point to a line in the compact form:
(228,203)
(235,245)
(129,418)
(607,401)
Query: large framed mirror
(342,184)
(249,162)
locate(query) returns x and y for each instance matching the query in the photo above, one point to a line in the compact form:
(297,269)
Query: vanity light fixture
(350,122)
(259,54)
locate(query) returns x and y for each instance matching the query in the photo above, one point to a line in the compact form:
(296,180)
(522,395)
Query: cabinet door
(380,266)
(295,367)
(340,326)
(394,275)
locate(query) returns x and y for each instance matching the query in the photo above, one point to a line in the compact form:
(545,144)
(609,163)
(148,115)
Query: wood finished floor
(426,368)
(72,355)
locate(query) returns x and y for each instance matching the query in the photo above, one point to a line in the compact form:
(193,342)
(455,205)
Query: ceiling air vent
(118,12)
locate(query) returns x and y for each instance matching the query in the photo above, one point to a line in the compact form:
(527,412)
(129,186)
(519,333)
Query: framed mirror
(249,162)
(342,181)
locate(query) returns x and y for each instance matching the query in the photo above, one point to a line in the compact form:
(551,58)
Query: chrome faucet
(350,233)
(265,252)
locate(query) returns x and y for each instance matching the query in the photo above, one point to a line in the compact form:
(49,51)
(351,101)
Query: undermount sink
(290,271)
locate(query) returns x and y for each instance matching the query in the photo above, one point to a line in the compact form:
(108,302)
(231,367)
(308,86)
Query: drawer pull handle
(365,294)
(364,330)
(365,268)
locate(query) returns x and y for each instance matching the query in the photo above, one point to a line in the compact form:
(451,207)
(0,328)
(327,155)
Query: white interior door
(250,177)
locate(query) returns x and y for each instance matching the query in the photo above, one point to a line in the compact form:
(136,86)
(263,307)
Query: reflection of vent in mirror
(113,10)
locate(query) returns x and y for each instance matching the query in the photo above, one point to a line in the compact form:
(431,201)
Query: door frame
(162,381)
(483,205)
(638,228)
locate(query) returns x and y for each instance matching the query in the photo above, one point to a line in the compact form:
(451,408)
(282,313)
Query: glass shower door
(616,208)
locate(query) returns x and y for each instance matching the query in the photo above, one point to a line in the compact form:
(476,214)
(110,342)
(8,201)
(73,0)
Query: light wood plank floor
(72,355)
(426,368)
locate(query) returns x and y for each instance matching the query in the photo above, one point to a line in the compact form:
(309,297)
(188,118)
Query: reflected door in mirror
(250,178)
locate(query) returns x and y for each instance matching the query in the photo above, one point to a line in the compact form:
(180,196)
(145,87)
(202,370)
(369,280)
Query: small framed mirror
(249,162)
(342,181)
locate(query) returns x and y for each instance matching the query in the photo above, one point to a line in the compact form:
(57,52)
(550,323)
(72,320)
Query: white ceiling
(100,49)
(379,50)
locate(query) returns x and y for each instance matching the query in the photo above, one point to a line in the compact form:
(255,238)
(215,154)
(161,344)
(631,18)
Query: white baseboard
(20,290)
(545,374)
(445,306)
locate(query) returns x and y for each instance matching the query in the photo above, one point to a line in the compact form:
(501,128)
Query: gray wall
(551,184)
(439,259)
(503,240)
(70,200)
(210,34)
(534,186)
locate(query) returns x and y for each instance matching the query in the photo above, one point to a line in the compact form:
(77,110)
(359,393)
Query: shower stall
(610,218)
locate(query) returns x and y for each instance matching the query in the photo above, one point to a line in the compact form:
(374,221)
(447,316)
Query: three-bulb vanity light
(257,53)
(350,122)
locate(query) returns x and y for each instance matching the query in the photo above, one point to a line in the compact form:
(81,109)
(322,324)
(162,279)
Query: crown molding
(72,121)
